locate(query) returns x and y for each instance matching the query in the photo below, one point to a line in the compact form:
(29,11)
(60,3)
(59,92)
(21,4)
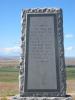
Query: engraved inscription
(41,57)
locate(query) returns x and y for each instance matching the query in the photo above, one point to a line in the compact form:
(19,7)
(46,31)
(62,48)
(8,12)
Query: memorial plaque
(42,67)
(41,53)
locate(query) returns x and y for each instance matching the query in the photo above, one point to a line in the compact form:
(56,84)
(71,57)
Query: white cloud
(69,48)
(10,49)
(69,36)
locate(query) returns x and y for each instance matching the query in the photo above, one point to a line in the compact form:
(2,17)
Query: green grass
(9,74)
(8,69)
(70,72)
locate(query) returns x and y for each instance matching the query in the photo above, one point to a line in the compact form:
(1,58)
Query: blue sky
(10,23)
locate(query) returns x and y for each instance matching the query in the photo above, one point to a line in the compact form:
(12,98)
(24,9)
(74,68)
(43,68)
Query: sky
(10,23)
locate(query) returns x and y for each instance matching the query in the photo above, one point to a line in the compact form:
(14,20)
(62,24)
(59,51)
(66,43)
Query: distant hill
(70,61)
(9,57)
(15,59)
(9,61)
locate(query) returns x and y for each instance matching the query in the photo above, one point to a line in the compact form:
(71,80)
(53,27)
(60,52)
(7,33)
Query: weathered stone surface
(41,53)
(42,98)
(56,49)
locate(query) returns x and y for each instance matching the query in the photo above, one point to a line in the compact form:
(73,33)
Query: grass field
(9,74)
(9,80)
(71,81)
(70,73)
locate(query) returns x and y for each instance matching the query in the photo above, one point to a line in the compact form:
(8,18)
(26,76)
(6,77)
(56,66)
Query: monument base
(68,97)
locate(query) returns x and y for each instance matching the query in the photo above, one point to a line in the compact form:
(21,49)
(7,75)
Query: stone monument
(42,66)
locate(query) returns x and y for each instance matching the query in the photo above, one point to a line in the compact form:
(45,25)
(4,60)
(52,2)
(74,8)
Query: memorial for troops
(42,66)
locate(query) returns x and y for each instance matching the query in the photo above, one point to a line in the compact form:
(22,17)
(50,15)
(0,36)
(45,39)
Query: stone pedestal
(68,97)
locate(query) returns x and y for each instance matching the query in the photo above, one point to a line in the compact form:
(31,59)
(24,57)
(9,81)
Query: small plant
(4,98)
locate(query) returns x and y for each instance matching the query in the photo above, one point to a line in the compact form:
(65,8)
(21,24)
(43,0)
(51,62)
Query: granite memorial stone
(42,66)
(43,53)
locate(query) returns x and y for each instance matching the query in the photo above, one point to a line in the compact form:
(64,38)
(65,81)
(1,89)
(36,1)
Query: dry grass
(8,89)
(71,88)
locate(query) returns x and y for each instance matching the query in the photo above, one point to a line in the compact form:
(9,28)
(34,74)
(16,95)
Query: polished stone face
(41,53)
